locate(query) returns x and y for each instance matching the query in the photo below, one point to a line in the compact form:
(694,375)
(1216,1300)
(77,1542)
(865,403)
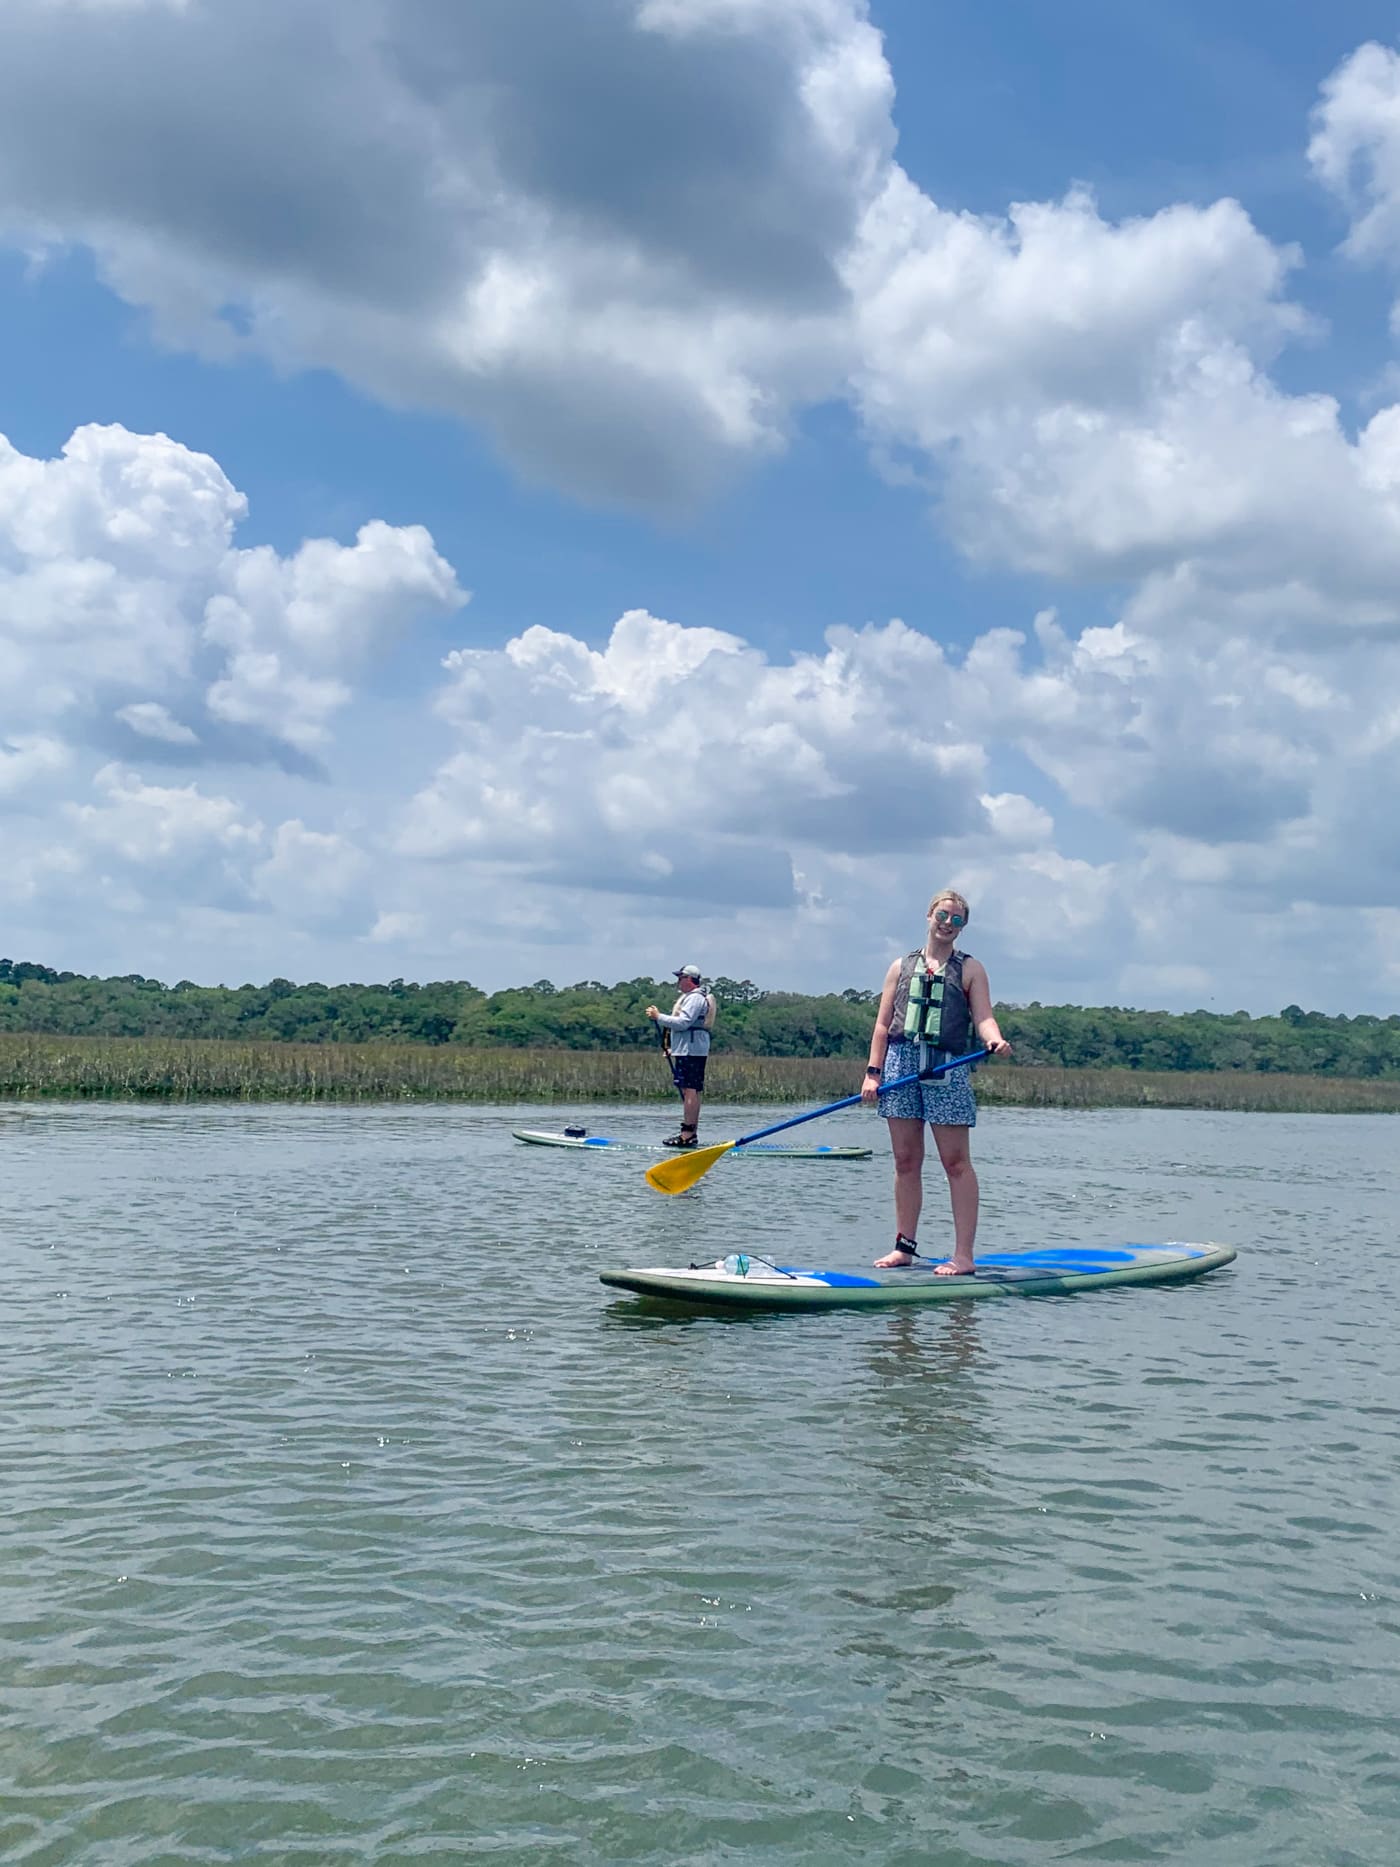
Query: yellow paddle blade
(678,1171)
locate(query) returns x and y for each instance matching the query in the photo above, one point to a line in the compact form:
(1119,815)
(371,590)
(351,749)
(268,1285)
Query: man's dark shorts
(688,1072)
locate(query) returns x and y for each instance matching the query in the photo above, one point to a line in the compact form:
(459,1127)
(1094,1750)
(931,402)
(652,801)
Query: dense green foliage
(592,1016)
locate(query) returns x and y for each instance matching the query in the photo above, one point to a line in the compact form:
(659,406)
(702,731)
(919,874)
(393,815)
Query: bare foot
(954,1268)
(896,1260)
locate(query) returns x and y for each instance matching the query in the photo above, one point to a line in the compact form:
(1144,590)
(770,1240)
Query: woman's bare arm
(979,1003)
(880,1036)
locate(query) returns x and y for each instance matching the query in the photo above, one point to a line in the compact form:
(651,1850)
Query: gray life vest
(931,1009)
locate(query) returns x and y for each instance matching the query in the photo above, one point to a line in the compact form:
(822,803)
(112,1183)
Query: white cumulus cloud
(1355,148)
(124,596)
(153,721)
(313,876)
(680,761)
(608,232)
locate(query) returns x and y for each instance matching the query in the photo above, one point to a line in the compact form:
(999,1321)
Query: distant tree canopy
(593,1016)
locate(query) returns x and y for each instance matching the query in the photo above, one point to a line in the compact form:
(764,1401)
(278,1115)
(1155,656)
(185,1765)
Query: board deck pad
(1050,1271)
(774,1150)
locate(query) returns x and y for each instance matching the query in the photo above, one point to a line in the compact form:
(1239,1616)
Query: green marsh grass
(190,1069)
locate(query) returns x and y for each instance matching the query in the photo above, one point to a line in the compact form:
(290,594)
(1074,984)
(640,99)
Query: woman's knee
(956,1160)
(908,1151)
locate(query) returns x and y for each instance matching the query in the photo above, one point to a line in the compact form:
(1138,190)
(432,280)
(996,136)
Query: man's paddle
(679,1171)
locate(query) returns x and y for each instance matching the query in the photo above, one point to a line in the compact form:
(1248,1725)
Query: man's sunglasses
(943,916)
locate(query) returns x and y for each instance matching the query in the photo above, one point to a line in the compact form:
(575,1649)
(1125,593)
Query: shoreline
(40,1067)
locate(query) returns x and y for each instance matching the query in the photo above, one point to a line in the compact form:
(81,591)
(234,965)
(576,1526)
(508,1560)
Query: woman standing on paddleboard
(933,1000)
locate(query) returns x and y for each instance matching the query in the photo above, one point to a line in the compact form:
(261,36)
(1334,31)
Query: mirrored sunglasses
(944,915)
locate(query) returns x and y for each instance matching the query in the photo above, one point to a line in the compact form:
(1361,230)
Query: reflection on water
(923,1399)
(348,1518)
(909,1351)
(925,1415)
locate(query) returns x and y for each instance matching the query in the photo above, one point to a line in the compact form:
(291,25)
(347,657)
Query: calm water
(347,1518)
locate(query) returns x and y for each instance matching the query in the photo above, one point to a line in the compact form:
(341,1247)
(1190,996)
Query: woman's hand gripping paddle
(679,1171)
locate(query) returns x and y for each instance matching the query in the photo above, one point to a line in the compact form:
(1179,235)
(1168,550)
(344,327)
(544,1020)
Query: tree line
(594,1016)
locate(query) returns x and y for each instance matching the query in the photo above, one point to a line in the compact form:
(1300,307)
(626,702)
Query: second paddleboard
(539,1137)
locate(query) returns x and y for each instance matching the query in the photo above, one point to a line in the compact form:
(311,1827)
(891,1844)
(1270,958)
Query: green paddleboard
(1053,1271)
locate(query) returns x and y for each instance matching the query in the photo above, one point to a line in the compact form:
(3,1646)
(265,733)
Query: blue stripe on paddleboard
(1069,1259)
(1086,1257)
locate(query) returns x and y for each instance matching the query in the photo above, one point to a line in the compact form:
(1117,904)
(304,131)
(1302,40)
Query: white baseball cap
(689,972)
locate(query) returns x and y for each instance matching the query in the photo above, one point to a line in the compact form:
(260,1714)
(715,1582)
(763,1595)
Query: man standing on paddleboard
(687,1028)
(933,1000)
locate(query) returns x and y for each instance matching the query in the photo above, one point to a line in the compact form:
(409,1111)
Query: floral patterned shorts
(947,1100)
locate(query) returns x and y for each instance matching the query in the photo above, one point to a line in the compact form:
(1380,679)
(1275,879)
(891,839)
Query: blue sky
(980,418)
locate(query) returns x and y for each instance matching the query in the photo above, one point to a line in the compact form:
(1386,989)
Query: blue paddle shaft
(848,1102)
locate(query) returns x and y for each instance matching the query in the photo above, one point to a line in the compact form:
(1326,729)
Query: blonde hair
(956,900)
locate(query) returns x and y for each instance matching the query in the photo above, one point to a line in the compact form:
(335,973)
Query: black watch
(874,1069)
